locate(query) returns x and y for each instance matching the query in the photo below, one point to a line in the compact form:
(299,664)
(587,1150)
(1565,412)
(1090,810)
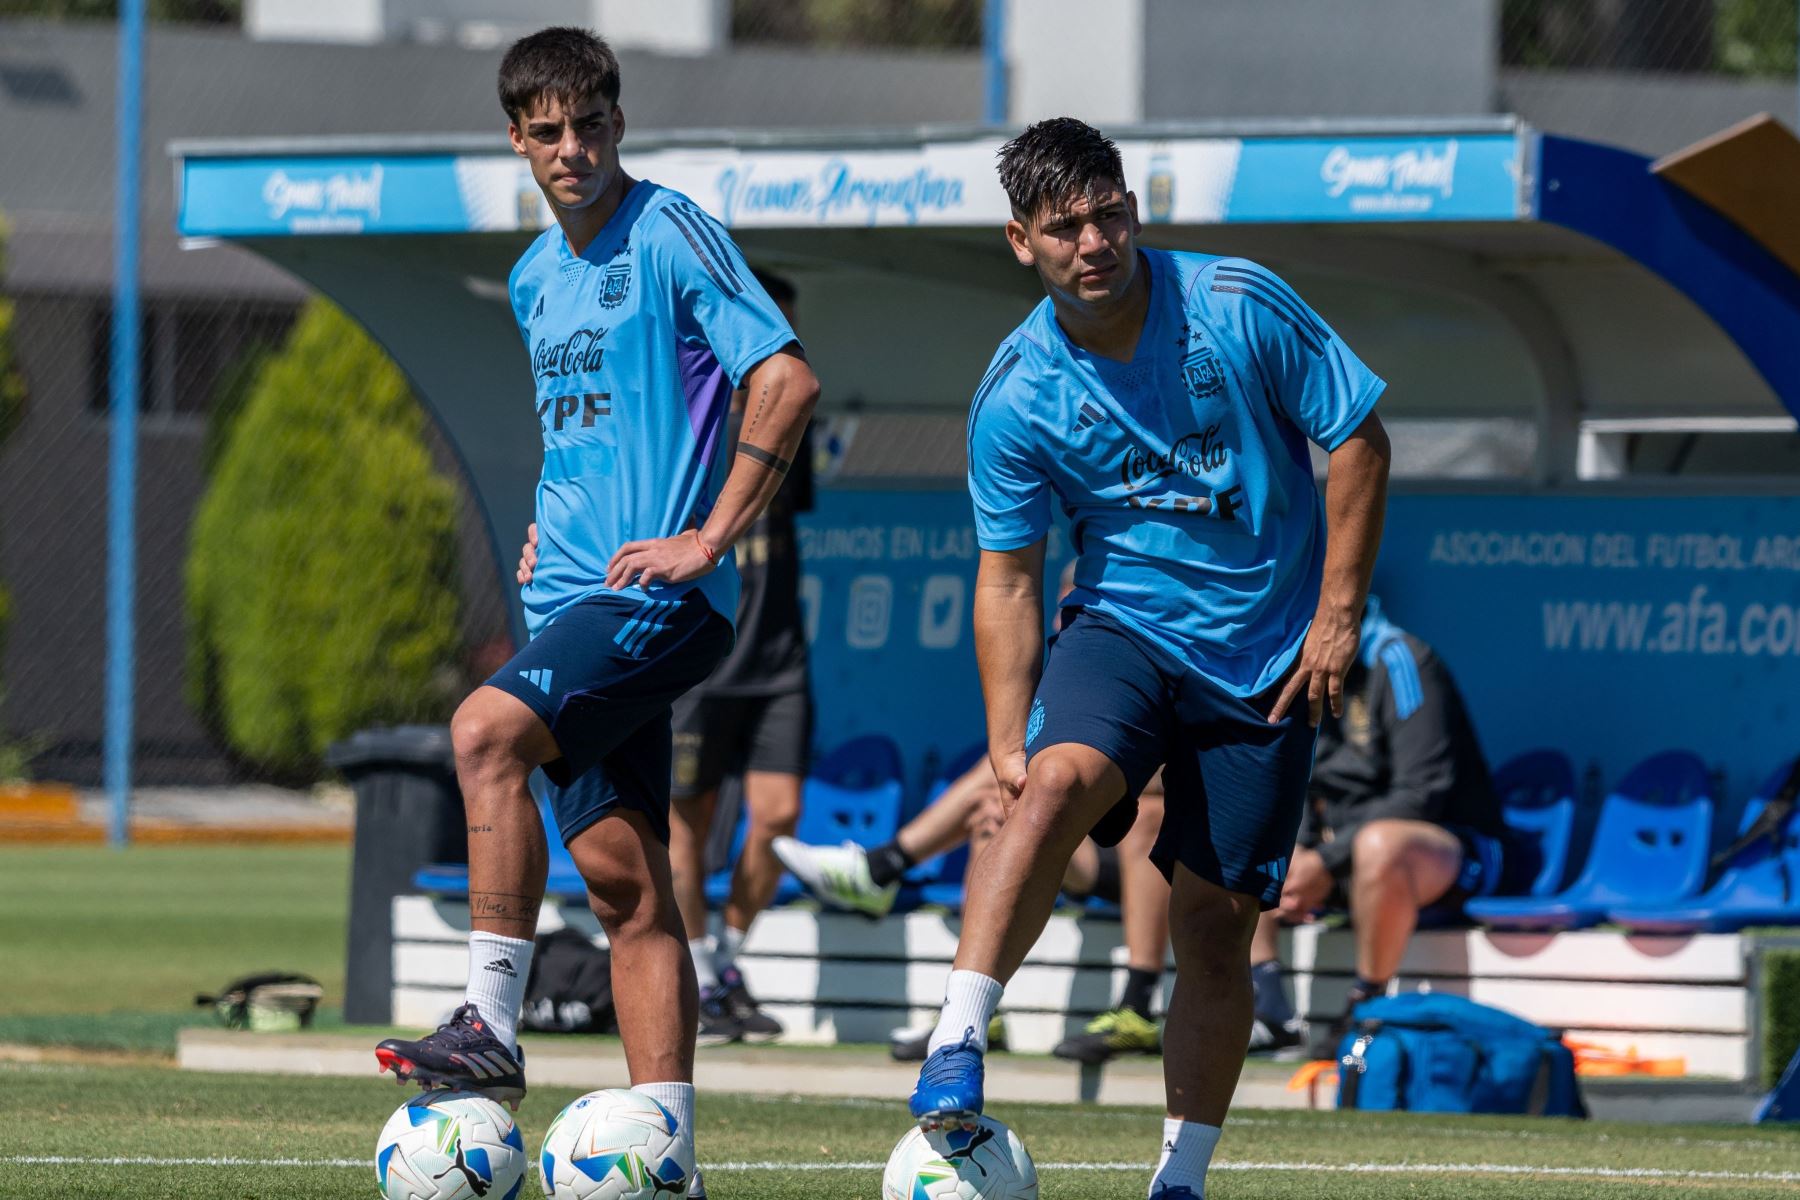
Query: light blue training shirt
(636,345)
(1184,473)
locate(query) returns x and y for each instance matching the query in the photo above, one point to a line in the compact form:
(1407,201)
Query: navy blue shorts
(603,678)
(1235,785)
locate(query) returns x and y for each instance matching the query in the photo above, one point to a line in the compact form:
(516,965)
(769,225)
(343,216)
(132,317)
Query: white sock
(498,969)
(701,950)
(678,1098)
(725,952)
(970,999)
(1187,1150)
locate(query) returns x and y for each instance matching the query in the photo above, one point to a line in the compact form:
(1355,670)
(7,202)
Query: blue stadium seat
(939,880)
(1537,799)
(1650,847)
(1760,886)
(853,794)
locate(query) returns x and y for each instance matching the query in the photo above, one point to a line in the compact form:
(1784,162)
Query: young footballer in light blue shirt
(1164,401)
(640,317)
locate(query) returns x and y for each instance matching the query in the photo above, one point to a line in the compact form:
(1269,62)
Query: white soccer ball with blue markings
(616,1145)
(985,1163)
(450,1145)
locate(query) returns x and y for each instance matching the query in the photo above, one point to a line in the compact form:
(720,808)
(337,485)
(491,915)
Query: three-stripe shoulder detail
(992,380)
(1275,296)
(708,245)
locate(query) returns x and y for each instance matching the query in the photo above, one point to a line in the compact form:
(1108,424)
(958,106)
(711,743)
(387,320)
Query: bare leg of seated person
(851,878)
(1397,867)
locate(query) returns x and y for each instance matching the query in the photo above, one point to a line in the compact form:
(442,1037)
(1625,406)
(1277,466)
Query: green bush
(322,579)
(1781,1011)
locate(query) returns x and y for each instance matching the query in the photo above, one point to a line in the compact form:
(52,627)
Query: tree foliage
(210,12)
(891,24)
(322,576)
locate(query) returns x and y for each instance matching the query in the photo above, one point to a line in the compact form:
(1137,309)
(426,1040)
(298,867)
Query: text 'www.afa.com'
(1695,625)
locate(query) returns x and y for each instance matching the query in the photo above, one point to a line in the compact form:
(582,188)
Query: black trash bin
(409,812)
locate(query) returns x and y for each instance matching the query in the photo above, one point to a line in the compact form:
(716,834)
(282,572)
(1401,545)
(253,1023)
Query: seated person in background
(1402,814)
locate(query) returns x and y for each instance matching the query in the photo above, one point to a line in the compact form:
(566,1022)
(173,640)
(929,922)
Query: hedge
(322,576)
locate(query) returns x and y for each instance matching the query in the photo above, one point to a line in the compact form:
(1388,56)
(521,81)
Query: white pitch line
(1405,1168)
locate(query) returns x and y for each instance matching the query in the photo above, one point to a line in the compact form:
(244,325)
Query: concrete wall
(664,26)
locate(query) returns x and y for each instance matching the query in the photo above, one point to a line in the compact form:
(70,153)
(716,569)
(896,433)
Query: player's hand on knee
(1009,773)
(660,560)
(1325,659)
(528,555)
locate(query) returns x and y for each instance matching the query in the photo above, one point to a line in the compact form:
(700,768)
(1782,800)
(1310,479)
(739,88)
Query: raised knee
(478,738)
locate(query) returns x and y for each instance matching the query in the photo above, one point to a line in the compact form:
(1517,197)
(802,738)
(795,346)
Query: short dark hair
(781,290)
(1055,161)
(565,62)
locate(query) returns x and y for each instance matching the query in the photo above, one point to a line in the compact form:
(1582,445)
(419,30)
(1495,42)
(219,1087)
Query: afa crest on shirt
(615,284)
(1200,371)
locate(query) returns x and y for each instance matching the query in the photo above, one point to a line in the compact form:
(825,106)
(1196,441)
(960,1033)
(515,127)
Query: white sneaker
(837,876)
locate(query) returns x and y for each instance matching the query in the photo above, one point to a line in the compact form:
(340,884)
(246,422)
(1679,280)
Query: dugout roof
(1490,271)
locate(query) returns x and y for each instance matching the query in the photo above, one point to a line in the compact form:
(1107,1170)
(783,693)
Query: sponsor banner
(250,196)
(888,589)
(1473,178)
(1611,627)
(1608,627)
(1182,180)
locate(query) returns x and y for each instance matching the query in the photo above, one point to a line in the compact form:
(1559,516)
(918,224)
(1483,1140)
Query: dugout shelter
(1593,378)
(1593,381)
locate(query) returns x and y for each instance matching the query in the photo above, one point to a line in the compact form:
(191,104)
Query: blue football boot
(949,1091)
(1179,1191)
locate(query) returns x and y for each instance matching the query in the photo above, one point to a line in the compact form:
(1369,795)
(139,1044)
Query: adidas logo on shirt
(503,966)
(539,679)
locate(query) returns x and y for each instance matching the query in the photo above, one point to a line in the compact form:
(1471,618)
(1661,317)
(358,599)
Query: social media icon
(871,612)
(941,612)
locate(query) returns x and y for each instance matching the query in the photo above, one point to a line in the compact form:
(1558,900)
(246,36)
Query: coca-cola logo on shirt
(1194,456)
(579,354)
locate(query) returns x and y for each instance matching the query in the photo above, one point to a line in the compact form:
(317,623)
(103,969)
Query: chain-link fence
(282,460)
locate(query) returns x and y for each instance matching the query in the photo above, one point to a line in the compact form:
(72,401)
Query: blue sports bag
(1427,1052)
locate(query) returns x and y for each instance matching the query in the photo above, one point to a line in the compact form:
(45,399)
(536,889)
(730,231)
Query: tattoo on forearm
(504,906)
(481,829)
(757,454)
(762,401)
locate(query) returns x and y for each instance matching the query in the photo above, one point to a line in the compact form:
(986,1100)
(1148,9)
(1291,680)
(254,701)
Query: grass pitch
(75,1130)
(107,948)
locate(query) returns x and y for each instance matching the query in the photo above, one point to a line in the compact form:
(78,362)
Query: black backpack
(570,986)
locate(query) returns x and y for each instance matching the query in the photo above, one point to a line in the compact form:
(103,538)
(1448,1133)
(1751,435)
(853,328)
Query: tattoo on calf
(757,454)
(504,906)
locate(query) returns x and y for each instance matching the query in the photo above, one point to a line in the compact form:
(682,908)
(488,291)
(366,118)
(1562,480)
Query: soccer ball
(450,1145)
(985,1163)
(616,1145)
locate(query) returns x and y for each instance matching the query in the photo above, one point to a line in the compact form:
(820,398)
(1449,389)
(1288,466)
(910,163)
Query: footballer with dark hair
(1164,401)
